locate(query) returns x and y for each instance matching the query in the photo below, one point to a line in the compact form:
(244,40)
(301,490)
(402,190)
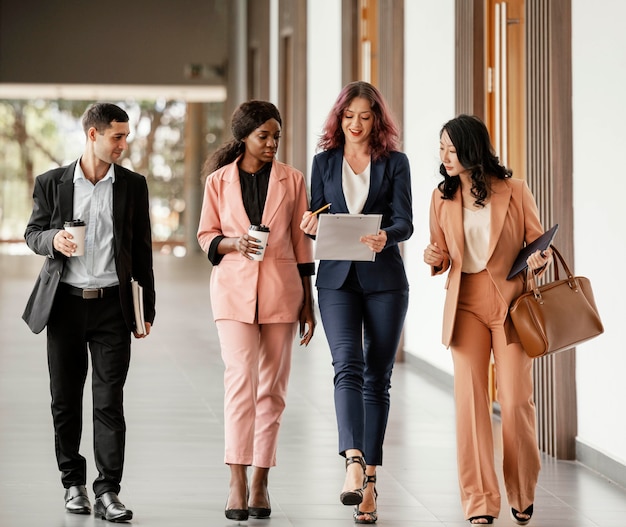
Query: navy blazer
(389,195)
(53,197)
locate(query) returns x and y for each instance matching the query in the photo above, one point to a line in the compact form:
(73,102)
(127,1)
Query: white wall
(324,67)
(599,110)
(429,103)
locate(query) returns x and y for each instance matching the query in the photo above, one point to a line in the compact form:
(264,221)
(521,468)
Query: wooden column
(195,152)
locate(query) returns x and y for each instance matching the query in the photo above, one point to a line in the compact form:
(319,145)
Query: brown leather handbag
(556,316)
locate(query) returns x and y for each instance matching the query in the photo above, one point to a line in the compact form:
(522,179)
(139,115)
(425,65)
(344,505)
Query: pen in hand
(321,209)
(308,224)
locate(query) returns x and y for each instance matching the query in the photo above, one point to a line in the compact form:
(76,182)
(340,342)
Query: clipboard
(540,244)
(338,236)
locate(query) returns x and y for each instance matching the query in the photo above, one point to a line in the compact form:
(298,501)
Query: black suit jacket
(53,203)
(389,195)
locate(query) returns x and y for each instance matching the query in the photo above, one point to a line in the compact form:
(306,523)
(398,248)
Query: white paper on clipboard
(338,236)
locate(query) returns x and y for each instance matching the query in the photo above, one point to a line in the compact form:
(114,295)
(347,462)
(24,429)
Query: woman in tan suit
(480,218)
(257,305)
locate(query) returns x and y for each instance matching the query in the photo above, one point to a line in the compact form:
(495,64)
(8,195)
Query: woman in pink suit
(257,305)
(480,218)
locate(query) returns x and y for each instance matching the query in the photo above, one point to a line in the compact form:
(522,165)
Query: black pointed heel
(240,515)
(354,497)
(261,512)
(372,515)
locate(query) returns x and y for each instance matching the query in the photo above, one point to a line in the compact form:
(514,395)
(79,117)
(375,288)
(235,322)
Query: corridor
(174,472)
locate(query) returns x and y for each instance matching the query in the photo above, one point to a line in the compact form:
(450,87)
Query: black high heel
(354,497)
(261,512)
(522,521)
(488,520)
(373,515)
(239,515)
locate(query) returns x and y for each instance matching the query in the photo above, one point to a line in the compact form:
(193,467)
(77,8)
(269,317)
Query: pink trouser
(257,358)
(479,329)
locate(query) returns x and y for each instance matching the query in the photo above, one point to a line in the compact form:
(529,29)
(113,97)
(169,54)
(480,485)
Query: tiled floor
(174,472)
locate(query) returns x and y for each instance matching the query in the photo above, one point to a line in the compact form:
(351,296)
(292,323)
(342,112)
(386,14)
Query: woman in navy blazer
(362,304)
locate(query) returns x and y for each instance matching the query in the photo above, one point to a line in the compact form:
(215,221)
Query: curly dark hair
(470,138)
(246,119)
(385,136)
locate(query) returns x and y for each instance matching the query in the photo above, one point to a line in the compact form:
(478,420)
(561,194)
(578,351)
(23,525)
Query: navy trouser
(363,330)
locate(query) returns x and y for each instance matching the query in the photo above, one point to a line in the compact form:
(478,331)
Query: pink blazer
(514,223)
(238,285)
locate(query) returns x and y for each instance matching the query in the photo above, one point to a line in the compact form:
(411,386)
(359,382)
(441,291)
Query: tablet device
(541,244)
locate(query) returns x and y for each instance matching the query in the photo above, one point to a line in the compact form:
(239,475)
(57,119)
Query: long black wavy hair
(470,138)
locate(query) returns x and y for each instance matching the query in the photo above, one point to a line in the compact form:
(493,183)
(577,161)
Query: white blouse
(356,187)
(476,226)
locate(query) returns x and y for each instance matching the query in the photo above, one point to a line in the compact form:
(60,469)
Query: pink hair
(385,135)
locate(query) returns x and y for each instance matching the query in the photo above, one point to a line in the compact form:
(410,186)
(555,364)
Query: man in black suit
(86,301)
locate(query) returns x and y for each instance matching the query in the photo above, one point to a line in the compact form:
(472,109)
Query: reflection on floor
(174,473)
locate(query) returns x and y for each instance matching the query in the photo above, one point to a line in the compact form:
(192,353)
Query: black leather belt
(92,293)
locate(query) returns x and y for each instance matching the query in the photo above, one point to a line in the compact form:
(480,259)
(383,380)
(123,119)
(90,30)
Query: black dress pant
(75,326)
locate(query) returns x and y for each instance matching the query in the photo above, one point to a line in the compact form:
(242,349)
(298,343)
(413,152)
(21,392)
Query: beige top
(476,226)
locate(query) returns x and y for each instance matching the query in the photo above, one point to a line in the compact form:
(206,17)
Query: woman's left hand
(307,322)
(376,242)
(538,261)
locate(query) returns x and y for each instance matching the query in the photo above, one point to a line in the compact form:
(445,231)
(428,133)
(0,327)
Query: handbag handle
(531,284)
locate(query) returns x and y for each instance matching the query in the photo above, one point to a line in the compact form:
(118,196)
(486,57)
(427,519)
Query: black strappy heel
(354,497)
(522,521)
(488,518)
(373,515)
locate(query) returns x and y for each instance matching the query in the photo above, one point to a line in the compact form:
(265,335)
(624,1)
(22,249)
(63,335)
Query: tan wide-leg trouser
(479,331)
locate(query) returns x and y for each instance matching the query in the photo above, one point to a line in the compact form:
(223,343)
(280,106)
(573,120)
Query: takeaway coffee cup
(260,232)
(77,229)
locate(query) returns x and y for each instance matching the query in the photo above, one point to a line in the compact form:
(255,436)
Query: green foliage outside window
(36,135)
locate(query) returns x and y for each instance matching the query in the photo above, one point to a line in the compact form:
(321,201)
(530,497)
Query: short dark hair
(101,114)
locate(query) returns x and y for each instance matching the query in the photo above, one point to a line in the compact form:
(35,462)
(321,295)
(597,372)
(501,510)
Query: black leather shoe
(76,500)
(109,507)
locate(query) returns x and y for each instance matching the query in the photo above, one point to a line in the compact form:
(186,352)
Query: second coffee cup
(77,229)
(261,233)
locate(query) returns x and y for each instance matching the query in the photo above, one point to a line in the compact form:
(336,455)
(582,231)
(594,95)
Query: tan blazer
(514,223)
(239,284)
